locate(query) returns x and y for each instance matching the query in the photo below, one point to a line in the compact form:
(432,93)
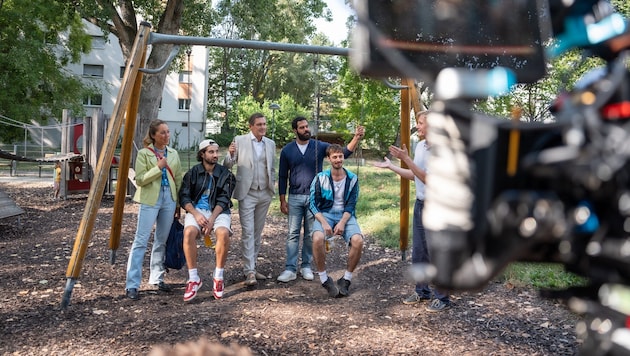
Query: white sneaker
(286,276)
(307,274)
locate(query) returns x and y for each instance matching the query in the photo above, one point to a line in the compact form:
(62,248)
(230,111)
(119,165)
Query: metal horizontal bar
(160,38)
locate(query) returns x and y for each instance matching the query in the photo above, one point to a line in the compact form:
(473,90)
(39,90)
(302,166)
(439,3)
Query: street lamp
(273,107)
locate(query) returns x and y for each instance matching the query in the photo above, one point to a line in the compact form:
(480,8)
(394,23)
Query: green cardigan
(149,176)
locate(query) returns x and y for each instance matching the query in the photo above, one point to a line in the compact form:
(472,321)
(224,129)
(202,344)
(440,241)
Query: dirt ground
(270,319)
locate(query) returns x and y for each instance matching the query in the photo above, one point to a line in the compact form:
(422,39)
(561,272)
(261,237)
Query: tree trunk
(125,27)
(153,85)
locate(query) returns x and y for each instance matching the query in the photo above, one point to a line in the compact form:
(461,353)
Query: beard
(303,137)
(211,161)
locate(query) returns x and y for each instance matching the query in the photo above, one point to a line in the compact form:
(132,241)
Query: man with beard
(206,196)
(300,161)
(333,198)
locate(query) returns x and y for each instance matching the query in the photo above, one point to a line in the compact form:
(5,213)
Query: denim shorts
(333,217)
(223,220)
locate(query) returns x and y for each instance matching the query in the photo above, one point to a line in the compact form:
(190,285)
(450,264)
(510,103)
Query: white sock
(218,273)
(347,275)
(193,276)
(323,277)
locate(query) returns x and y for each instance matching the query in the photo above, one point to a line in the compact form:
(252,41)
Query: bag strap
(167,167)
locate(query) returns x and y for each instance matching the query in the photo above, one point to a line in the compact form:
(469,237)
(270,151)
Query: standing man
(254,155)
(334,195)
(206,196)
(418,172)
(300,161)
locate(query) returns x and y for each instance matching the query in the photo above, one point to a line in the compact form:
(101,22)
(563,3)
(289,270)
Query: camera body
(503,190)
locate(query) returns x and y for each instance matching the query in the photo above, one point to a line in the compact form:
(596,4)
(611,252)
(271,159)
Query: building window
(184,76)
(93,70)
(122,72)
(98,42)
(93,100)
(184,104)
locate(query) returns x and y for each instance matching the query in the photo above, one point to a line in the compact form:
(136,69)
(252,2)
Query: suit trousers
(252,214)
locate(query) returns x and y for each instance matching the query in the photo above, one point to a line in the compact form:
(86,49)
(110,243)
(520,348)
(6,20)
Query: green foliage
(36,38)
(264,75)
(278,122)
(369,103)
(224,138)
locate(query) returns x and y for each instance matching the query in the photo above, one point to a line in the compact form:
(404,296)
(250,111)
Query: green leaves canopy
(37,38)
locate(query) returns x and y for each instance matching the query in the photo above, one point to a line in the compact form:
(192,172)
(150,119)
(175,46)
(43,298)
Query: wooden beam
(405,135)
(124,164)
(104,162)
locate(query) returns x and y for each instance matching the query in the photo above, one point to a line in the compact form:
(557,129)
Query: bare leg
(190,246)
(356,249)
(222,246)
(319,252)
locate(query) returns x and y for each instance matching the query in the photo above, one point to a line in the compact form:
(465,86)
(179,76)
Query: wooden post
(104,162)
(405,134)
(124,164)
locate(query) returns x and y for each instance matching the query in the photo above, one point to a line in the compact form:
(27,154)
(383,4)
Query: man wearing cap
(206,196)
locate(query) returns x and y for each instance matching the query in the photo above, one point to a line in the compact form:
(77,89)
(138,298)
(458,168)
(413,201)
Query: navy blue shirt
(300,169)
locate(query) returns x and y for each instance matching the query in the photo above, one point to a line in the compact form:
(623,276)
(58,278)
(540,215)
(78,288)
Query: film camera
(502,191)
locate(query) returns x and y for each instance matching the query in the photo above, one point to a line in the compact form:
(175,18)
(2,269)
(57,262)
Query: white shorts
(223,220)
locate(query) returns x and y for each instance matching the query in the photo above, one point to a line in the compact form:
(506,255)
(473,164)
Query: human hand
(385,164)
(359,132)
(161,162)
(328,231)
(232,148)
(200,219)
(284,208)
(340,228)
(399,152)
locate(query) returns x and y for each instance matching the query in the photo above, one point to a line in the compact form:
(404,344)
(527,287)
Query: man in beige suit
(255,158)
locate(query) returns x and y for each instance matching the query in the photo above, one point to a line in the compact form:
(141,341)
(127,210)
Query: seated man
(206,196)
(333,198)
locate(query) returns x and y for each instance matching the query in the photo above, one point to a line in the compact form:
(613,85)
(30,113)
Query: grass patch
(541,275)
(378,213)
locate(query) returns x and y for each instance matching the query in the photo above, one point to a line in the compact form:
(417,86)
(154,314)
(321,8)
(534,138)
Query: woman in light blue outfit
(159,177)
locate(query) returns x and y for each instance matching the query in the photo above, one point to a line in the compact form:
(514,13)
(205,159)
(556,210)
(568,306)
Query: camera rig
(501,191)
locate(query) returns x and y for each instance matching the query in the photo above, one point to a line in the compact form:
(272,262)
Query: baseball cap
(205,143)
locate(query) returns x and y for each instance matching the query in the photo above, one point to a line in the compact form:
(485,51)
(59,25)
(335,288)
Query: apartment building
(184,97)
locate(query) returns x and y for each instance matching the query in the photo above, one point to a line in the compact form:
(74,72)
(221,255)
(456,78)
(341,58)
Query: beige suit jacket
(244,160)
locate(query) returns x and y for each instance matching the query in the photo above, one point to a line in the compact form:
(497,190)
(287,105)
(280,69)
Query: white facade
(183,99)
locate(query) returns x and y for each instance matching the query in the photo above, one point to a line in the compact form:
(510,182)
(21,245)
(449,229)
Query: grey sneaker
(250,279)
(307,273)
(286,276)
(343,284)
(437,305)
(414,299)
(332,289)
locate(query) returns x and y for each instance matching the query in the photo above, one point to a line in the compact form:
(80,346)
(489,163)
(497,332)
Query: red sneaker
(217,288)
(191,290)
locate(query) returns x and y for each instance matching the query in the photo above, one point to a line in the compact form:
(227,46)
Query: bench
(8,208)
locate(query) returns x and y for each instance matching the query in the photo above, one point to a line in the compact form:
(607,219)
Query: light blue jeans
(161,214)
(299,215)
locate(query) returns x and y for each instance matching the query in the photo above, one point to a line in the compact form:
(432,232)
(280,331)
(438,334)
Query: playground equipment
(81,139)
(126,108)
